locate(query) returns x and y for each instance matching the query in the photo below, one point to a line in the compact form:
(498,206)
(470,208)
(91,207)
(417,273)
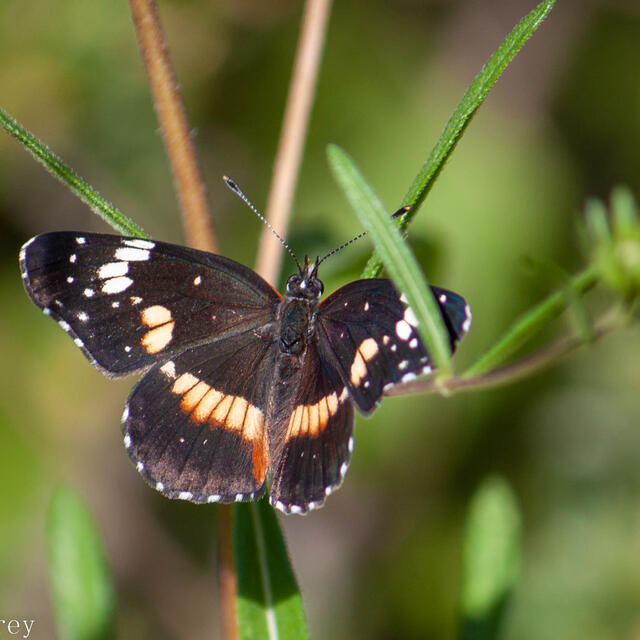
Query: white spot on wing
(238,497)
(64,325)
(89,293)
(113,270)
(116,285)
(73,257)
(410,317)
(80,240)
(403,365)
(70,279)
(443,298)
(185,495)
(46,311)
(366,306)
(169,369)
(197,280)
(140,466)
(115,305)
(127,441)
(466,325)
(403,330)
(159,486)
(140,243)
(78,342)
(214,497)
(125,416)
(414,343)
(135,300)
(131,255)
(408,377)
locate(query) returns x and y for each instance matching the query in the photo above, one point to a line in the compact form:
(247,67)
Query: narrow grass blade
(525,327)
(491,559)
(396,256)
(464,112)
(81,582)
(269,604)
(65,174)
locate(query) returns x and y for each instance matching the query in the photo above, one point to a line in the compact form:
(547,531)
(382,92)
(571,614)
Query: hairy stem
(175,129)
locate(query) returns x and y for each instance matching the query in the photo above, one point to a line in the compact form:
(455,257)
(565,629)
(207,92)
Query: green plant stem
(509,374)
(530,323)
(66,175)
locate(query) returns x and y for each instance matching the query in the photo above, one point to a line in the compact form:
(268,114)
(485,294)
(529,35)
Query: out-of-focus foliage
(81,583)
(384,558)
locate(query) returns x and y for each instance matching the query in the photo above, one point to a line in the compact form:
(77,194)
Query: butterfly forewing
(129,303)
(370,333)
(195,426)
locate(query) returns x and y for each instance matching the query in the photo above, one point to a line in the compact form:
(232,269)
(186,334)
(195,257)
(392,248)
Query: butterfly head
(306,284)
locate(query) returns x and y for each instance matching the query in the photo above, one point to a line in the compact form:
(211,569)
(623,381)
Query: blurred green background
(383,558)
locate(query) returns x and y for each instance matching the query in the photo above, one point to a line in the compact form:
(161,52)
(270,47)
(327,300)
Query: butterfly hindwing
(370,333)
(129,303)
(195,425)
(312,444)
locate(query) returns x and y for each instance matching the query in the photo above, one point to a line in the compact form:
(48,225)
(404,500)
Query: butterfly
(242,385)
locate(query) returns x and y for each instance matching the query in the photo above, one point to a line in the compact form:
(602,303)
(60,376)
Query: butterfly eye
(293,282)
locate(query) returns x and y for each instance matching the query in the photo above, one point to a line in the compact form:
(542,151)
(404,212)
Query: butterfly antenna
(236,189)
(397,214)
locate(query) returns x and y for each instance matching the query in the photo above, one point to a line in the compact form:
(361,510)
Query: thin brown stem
(167,100)
(196,218)
(504,375)
(293,134)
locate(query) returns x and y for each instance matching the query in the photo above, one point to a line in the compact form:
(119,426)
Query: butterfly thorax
(298,309)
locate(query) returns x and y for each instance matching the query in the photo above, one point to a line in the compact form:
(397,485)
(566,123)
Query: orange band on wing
(312,419)
(203,403)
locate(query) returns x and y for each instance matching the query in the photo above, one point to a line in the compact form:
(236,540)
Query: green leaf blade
(396,255)
(269,604)
(464,112)
(81,581)
(491,562)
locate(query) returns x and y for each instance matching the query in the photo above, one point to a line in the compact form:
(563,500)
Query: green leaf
(81,582)
(396,255)
(269,604)
(491,559)
(461,117)
(65,174)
